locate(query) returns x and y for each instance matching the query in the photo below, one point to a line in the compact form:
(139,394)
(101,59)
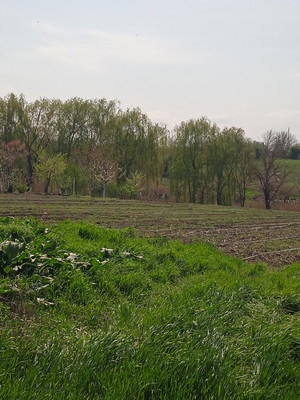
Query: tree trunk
(47,187)
(243,201)
(219,198)
(29,179)
(267,199)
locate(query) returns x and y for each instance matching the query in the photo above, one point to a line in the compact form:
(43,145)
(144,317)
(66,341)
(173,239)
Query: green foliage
(50,169)
(294,152)
(133,186)
(20,188)
(208,163)
(95,313)
(191,166)
(100,141)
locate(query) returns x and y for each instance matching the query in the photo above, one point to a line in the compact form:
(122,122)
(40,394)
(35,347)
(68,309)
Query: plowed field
(253,234)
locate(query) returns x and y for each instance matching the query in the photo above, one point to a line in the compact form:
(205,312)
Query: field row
(271,236)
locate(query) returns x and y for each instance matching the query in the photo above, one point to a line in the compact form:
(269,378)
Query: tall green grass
(104,314)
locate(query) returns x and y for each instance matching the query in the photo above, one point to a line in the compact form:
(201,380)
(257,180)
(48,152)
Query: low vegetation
(91,312)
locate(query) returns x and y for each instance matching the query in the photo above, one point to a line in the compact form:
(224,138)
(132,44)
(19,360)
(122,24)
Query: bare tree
(283,141)
(270,173)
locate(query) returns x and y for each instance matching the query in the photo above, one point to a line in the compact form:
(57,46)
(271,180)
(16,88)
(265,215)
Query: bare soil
(251,233)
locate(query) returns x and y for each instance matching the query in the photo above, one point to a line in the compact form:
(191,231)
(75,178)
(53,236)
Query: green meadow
(91,312)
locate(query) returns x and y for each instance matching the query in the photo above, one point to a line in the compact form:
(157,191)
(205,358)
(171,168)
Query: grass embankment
(95,313)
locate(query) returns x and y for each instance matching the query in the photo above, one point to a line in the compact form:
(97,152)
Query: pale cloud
(296,75)
(174,60)
(170,117)
(94,50)
(284,113)
(174,117)
(136,48)
(223,119)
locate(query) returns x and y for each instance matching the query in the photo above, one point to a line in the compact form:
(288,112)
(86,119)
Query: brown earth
(253,233)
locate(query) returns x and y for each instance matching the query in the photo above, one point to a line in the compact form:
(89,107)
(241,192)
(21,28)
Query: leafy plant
(96,313)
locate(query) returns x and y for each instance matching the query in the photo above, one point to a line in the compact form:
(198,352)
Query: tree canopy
(96,147)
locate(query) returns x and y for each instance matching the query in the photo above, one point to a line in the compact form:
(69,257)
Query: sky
(236,62)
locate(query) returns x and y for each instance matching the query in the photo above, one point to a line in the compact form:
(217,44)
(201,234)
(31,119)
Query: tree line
(93,147)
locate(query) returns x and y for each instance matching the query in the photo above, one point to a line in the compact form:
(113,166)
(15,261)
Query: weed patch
(97,313)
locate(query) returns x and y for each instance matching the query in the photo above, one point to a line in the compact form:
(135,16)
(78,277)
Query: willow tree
(136,145)
(72,123)
(101,113)
(9,127)
(124,129)
(37,129)
(190,158)
(224,158)
(92,147)
(244,170)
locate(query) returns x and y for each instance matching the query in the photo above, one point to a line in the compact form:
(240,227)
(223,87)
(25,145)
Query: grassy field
(104,299)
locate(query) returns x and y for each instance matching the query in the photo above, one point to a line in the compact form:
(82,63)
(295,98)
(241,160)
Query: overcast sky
(237,62)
